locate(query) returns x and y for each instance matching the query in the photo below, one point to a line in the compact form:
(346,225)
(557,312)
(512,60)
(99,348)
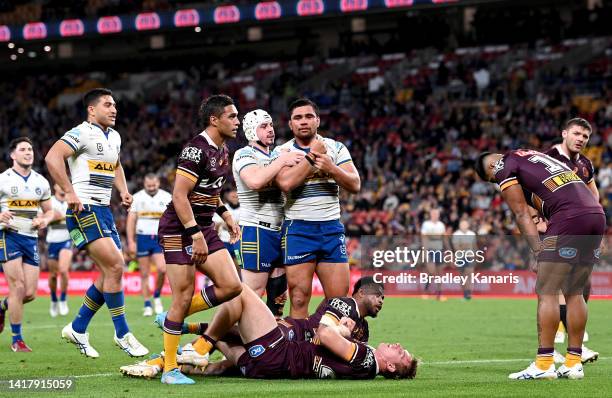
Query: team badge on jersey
(14,190)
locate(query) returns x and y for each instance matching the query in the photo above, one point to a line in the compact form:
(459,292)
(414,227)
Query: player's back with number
(554,187)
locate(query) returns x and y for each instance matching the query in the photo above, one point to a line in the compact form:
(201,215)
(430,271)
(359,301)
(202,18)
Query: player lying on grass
(265,352)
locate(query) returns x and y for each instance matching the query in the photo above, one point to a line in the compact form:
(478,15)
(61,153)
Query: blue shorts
(322,241)
(14,245)
(260,249)
(56,247)
(93,223)
(147,245)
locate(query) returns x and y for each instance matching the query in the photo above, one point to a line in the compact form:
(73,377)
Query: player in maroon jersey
(576,134)
(565,255)
(186,230)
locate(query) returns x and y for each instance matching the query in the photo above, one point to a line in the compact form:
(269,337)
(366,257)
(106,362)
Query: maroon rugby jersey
(315,361)
(581,165)
(207,166)
(554,188)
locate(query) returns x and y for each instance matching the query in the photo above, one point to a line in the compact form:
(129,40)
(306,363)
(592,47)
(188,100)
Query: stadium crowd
(413,134)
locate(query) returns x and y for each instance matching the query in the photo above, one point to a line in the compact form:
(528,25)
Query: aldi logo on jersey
(555,182)
(101,167)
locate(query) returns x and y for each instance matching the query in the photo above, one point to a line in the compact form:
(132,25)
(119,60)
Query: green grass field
(467,349)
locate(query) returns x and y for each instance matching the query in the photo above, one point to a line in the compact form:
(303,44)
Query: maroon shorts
(575,240)
(295,329)
(177,245)
(267,357)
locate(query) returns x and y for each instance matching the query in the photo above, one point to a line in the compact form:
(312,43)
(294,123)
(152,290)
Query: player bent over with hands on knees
(92,151)
(565,255)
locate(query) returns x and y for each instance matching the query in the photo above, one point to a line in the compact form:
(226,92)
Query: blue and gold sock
(157,293)
(53,296)
(94,299)
(16,331)
(115,303)
(147,303)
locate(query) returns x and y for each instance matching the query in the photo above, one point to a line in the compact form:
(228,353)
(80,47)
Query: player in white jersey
(433,240)
(465,240)
(261,203)
(22,193)
(92,150)
(233,206)
(141,230)
(59,253)
(313,235)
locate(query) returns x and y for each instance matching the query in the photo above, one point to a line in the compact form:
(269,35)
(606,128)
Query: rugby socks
(204,344)
(544,358)
(204,300)
(115,303)
(158,361)
(172,337)
(563,315)
(467,294)
(16,331)
(573,356)
(275,291)
(147,303)
(157,293)
(94,299)
(194,328)
(53,296)
(63,296)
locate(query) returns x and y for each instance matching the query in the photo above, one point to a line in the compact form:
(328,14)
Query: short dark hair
(580,122)
(366,282)
(480,167)
(151,176)
(213,106)
(92,96)
(16,141)
(302,102)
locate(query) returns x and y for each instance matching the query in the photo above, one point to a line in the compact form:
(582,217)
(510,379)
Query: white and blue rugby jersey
(149,210)
(57,230)
(22,196)
(262,208)
(92,166)
(317,198)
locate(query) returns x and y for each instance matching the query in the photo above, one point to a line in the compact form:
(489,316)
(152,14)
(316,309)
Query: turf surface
(467,349)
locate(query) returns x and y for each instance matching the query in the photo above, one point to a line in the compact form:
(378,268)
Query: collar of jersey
(307,150)
(106,133)
(208,139)
(259,150)
(558,146)
(25,178)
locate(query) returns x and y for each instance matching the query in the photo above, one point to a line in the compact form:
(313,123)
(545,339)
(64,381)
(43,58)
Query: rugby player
(433,238)
(233,206)
(262,213)
(59,253)
(265,352)
(141,230)
(186,230)
(22,193)
(576,134)
(313,235)
(565,255)
(92,150)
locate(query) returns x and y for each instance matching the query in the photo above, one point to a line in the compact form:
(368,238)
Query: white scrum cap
(252,120)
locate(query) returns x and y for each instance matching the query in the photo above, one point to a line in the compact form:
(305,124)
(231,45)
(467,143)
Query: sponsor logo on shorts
(256,350)
(189,250)
(291,336)
(297,257)
(568,252)
(597,253)
(107,231)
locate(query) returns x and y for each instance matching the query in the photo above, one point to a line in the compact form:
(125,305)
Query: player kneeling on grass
(264,352)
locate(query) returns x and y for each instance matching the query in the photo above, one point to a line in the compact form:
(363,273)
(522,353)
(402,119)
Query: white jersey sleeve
(57,230)
(149,210)
(317,198)
(22,196)
(264,207)
(92,166)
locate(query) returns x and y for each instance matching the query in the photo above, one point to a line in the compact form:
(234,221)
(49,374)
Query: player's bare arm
(346,174)
(233,228)
(516,201)
(130,231)
(180,197)
(56,164)
(46,218)
(291,177)
(258,177)
(332,339)
(121,185)
(593,187)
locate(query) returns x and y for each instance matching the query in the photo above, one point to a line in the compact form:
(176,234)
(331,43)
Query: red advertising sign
(108,25)
(147,21)
(72,27)
(310,7)
(226,14)
(398,3)
(5,33)
(183,18)
(34,30)
(267,10)
(353,5)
